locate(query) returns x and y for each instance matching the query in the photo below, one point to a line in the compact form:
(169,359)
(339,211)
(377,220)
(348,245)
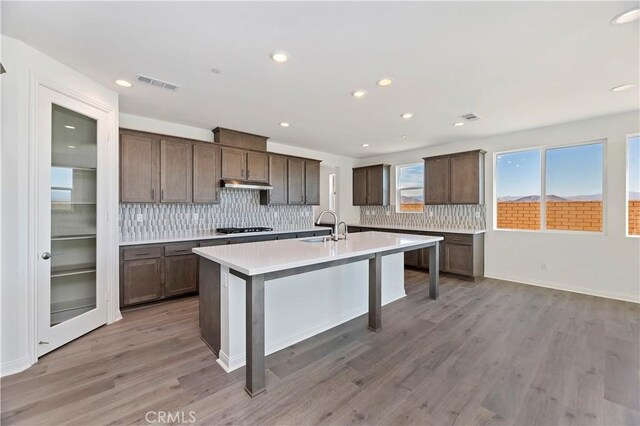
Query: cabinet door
(139,169)
(465,178)
(234,162)
(312,183)
(295,181)
(411,258)
(175,171)
(360,187)
(436,180)
(141,281)
(458,259)
(375,186)
(257,167)
(278,180)
(181,274)
(206,173)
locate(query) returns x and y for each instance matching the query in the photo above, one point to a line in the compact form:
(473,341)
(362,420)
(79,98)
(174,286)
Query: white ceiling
(517,64)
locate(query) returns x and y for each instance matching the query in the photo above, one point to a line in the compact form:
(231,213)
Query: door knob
(46,255)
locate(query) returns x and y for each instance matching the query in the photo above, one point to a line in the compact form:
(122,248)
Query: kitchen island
(289,285)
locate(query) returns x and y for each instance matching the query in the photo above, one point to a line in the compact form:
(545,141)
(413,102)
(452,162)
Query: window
(633,185)
(518,190)
(569,179)
(410,188)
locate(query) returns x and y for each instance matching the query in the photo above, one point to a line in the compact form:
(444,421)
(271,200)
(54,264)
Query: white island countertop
(271,256)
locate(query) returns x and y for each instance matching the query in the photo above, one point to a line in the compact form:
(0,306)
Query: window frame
(543,188)
(626,185)
(399,190)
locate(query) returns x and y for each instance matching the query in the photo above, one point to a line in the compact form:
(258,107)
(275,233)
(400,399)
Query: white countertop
(270,256)
(422,229)
(214,235)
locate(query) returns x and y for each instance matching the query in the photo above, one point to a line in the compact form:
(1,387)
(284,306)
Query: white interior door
(71,225)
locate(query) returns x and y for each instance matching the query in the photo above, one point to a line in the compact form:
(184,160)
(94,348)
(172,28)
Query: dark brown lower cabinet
(460,254)
(141,281)
(181,275)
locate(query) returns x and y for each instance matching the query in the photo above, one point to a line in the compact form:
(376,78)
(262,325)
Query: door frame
(112,237)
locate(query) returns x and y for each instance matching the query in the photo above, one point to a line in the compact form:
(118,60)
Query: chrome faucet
(346,229)
(334,236)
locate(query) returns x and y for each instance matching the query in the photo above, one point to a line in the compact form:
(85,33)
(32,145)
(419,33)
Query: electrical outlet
(478,215)
(196,216)
(139,217)
(543,267)
(275,214)
(430,213)
(388,213)
(367,212)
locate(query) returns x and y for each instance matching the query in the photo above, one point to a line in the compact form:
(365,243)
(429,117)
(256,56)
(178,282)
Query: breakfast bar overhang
(261,262)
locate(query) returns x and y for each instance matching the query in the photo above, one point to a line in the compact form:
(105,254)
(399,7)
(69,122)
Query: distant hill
(536,198)
(634,196)
(411,200)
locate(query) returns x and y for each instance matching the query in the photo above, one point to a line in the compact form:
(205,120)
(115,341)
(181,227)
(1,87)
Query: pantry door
(71,271)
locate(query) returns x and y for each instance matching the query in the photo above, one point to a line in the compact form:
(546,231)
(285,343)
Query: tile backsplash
(459,216)
(237,208)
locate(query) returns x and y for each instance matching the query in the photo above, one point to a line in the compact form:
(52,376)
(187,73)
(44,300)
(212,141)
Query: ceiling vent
(470,117)
(158,83)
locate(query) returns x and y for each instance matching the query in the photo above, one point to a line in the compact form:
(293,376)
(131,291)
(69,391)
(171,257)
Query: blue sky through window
(575,170)
(634,168)
(518,174)
(411,176)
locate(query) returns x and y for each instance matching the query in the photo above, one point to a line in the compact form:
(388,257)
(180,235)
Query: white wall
(17,337)
(604,265)
(343,164)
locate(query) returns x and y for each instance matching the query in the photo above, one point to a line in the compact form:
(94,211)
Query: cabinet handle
(157,267)
(143,254)
(162,195)
(153,194)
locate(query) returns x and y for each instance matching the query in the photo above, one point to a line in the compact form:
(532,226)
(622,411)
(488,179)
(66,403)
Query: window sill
(553,231)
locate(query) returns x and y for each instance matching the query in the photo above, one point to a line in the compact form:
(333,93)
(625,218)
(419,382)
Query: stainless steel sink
(315,240)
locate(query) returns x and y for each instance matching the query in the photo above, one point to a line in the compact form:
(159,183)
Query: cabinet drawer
(216,242)
(178,249)
(458,239)
(141,252)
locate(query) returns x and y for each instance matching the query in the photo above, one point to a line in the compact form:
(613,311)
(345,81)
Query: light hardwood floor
(491,352)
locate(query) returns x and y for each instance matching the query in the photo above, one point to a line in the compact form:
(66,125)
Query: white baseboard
(564,287)
(15,366)
(238,360)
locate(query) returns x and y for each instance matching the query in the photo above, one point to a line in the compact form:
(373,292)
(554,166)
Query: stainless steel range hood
(238,184)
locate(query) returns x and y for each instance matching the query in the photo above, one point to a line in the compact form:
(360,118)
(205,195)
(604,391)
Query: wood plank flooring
(491,352)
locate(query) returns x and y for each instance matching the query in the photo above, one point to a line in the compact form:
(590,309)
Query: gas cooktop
(243,230)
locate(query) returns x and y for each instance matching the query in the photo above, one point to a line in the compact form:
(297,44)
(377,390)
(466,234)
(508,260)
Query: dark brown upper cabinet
(278,180)
(303,181)
(454,178)
(139,168)
(238,164)
(206,173)
(371,185)
(176,161)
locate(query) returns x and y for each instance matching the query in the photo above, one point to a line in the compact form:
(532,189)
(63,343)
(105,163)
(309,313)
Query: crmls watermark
(170,417)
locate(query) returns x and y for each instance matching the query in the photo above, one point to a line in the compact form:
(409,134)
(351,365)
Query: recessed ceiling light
(364,145)
(70,127)
(383,82)
(279,56)
(622,87)
(215,70)
(403,136)
(123,83)
(71,146)
(407,115)
(358,93)
(284,124)
(458,124)
(627,16)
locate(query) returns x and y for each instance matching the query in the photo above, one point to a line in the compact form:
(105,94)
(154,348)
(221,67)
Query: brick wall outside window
(634,217)
(516,215)
(561,215)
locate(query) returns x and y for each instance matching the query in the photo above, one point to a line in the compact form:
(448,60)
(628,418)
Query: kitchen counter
(214,235)
(258,298)
(421,229)
(272,256)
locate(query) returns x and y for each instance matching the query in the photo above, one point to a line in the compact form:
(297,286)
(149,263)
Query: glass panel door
(73,214)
